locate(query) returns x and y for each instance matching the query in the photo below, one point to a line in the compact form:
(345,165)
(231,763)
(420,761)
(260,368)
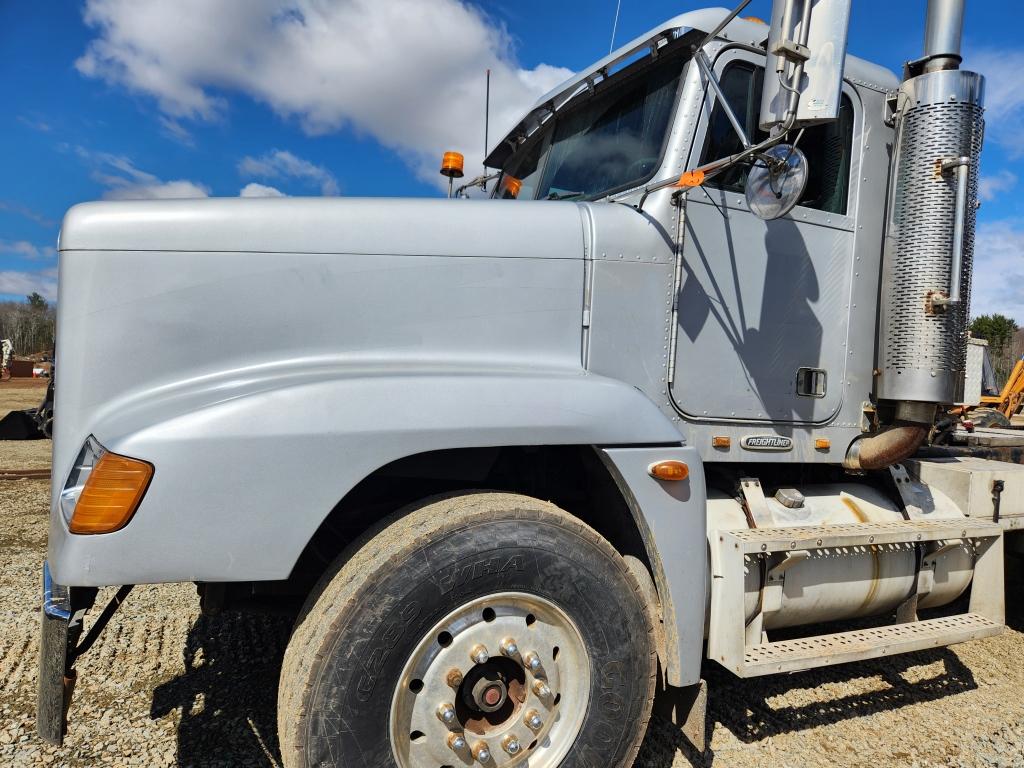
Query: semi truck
(519,463)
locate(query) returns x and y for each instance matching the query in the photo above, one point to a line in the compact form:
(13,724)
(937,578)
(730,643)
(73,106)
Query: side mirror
(776,181)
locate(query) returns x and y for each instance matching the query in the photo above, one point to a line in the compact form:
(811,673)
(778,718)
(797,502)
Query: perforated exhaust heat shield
(929,243)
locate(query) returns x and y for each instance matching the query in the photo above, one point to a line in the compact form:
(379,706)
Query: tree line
(30,325)
(1005,345)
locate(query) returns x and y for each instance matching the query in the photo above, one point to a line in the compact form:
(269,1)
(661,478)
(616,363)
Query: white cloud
(990,187)
(999,270)
(406,72)
(28,213)
(35,123)
(260,190)
(124,181)
(27,250)
(1004,98)
(280,164)
(157,190)
(172,129)
(23,283)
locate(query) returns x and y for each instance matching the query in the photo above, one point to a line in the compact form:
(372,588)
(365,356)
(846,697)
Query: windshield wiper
(564,195)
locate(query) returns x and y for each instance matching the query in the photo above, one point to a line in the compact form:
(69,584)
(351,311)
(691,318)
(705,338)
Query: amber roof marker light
(453,166)
(510,186)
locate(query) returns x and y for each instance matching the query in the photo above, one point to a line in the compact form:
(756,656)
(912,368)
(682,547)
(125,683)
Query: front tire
(486,629)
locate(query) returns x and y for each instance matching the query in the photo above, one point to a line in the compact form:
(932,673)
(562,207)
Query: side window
(741,84)
(828,146)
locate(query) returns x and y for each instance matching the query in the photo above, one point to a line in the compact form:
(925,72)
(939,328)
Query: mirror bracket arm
(705,67)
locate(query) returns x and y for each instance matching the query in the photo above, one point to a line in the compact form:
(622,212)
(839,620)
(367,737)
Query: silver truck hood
(168,308)
(395,226)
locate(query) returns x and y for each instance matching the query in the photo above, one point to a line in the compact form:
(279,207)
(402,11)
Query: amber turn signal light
(669,470)
(691,179)
(111,495)
(822,444)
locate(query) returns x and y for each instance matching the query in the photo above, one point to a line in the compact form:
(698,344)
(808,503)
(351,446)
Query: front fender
(671,518)
(242,482)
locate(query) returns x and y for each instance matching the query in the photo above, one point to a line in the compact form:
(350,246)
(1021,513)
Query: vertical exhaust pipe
(929,240)
(929,243)
(943,31)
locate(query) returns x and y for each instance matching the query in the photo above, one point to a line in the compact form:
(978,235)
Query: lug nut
(446,714)
(509,647)
(454,678)
(533,720)
(511,745)
(541,689)
(457,742)
(479,655)
(532,661)
(481,753)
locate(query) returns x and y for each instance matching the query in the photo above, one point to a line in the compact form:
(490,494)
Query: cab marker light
(669,470)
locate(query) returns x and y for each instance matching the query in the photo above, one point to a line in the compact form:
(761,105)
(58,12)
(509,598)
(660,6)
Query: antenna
(615,25)
(487,121)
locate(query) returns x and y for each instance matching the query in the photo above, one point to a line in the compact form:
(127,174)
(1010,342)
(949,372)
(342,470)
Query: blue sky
(129,98)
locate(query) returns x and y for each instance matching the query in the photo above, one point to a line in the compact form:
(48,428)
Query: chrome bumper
(56,679)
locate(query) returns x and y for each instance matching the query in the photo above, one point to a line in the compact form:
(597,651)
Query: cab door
(763,309)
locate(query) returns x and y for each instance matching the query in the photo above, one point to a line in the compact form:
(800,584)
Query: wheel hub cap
(502,681)
(488,694)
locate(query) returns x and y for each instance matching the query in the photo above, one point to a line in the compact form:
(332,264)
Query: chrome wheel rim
(502,681)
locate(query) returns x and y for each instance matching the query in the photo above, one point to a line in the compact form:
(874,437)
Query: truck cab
(517,463)
(773,322)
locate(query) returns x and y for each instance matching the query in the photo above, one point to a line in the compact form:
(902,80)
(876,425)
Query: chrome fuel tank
(834,585)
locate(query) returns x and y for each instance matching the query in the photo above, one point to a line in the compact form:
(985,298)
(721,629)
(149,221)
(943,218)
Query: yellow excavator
(999,410)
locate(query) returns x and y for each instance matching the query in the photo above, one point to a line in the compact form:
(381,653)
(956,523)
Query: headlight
(90,454)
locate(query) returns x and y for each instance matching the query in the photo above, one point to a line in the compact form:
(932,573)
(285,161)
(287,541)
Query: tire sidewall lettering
(393,632)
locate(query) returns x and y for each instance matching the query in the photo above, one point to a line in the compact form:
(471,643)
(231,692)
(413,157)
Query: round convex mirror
(776,181)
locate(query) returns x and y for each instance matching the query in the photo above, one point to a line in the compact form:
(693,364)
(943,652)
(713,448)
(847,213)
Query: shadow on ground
(227,696)
(746,710)
(745,707)
(1015,590)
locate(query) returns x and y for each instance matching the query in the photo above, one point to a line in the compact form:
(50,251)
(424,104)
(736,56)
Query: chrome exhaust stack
(929,240)
(943,30)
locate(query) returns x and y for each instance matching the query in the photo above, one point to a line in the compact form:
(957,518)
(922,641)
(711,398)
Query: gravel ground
(21,393)
(25,454)
(166,687)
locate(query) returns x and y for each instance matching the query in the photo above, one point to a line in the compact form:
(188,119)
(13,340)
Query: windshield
(610,141)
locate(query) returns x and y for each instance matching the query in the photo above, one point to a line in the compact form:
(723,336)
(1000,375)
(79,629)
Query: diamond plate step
(856,534)
(842,647)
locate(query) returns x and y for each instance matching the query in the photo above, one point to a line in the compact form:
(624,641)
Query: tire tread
(386,545)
